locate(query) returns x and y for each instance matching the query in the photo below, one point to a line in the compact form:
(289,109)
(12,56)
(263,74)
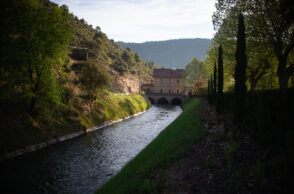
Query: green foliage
(195,70)
(104,51)
(33,46)
(94,78)
(262,63)
(208,90)
(220,71)
(219,100)
(137,58)
(269,34)
(171,143)
(240,72)
(214,84)
(45,89)
(109,106)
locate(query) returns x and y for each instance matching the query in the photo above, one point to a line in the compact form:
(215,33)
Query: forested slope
(171,53)
(56,70)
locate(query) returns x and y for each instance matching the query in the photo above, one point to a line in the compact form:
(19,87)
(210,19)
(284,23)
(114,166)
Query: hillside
(60,75)
(171,53)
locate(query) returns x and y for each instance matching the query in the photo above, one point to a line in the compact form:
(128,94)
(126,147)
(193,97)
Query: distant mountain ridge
(175,53)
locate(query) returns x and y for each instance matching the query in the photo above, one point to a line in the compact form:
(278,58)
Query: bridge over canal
(163,98)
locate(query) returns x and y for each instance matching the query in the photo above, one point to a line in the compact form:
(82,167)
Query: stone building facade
(166,81)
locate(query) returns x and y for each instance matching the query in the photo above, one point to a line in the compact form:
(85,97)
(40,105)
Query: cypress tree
(240,72)
(219,104)
(211,85)
(211,90)
(220,70)
(214,83)
(208,91)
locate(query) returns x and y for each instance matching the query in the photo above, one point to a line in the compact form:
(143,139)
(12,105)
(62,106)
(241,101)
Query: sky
(146,20)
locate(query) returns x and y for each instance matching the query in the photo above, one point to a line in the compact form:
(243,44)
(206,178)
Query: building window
(177,91)
(160,90)
(178,81)
(161,81)
(169,81)
(169,91)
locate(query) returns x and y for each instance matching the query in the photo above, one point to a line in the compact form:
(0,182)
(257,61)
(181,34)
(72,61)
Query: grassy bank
(172,143)
(18,129)
(113,107)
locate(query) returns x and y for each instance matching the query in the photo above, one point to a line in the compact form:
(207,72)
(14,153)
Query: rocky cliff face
(128,84)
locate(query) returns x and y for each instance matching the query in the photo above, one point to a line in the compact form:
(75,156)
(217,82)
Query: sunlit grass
(113,107)
(171,143)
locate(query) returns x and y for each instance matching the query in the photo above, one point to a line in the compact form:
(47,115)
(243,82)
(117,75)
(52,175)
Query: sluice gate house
(167,87)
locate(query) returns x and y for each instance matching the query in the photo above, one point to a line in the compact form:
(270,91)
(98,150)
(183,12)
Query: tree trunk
(253,84)
(292,80)
(282,73)
(2,71)
(283,81)
(33,106)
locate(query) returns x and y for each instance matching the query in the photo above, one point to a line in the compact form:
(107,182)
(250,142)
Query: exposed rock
(128,84)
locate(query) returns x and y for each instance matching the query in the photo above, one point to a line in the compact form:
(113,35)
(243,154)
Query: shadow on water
(176,101)
(162,101)
(83,164)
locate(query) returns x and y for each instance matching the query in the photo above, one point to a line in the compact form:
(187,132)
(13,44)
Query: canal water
(83,164)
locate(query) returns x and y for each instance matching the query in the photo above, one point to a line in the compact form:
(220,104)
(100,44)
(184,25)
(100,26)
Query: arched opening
(176,101)
(151,100)
(162,101)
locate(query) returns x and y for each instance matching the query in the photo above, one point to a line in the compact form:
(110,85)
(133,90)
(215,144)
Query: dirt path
(215,164)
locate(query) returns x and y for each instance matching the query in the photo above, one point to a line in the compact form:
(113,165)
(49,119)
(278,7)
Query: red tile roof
(168,73)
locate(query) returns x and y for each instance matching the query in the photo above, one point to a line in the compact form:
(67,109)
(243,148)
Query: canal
(83,164)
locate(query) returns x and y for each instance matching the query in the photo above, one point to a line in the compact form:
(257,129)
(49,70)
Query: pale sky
(146,20)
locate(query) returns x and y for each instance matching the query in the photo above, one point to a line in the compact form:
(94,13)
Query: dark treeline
(265,114)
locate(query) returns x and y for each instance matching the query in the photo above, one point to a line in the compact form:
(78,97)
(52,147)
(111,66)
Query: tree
(211,86)
(214,83)
(208,90)
(98,29)
(240,71)
(276,25)
(195,70)
(93,78)
(220,71)
(33,47)
(137,58)
(226,21)
(219,104)
(127,56)
(269,23)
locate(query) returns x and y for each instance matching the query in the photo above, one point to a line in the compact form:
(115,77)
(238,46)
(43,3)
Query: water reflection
(83,164)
